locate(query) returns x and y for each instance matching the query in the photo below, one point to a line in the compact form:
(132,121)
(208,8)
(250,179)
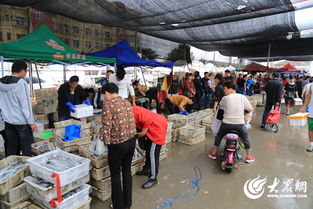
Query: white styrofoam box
(298,101)
(82,111)
(298,119)
(50,193)
(70,202)
(282,101)
(66,177)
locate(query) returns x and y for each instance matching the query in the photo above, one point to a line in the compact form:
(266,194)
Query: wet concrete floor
(281,155)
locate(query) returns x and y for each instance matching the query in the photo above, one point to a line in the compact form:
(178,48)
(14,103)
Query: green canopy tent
(43,46)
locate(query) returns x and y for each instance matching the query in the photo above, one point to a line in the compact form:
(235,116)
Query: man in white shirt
(234,106)
(124,84)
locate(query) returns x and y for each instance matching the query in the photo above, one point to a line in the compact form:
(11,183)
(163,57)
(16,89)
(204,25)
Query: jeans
(120,158)
(207,100)
(171,107)
(267,109)
(152,158)
(19,138)
(225,128)
(199,98)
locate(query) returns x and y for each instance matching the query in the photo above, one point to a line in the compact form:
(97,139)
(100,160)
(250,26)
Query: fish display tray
(102,185)
(37,151)
(10,205)
(71,202)
(26,205)
(96,162)
(63,124)
(15,193)
(100,173)
(101,195)
(47,194)
(15,179)
(66,177)
(191,134)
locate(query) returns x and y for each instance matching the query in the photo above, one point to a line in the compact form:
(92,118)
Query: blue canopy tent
(126,56)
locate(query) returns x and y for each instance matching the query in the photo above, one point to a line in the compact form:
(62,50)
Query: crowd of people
(126,116)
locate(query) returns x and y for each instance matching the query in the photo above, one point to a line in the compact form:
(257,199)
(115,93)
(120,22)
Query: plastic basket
(49,193)
(66,177)
(71,202)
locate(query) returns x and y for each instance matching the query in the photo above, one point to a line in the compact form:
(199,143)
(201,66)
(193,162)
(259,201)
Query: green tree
(148,54)
(182,52)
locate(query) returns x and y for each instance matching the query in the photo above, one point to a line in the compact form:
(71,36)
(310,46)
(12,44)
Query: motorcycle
(231,154)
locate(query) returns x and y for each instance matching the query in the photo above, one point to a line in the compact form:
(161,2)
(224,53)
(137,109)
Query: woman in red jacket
(153,130)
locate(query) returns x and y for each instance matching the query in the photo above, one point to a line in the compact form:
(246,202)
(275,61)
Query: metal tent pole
(2,66)
(64,73)
(268,54)
(38,76)
(31,80)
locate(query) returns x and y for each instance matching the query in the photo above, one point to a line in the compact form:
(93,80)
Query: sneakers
(212,155)
(150,183)
(250,159)
(143,172)
(309,148)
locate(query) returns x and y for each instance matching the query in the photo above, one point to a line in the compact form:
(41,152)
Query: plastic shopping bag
(100,148)
(216,124)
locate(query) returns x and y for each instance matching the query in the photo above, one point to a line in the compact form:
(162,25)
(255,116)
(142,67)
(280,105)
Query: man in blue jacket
(16,110)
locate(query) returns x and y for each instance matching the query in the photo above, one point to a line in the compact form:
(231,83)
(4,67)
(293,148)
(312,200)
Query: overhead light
(174,24)
(289,36)
(162,23)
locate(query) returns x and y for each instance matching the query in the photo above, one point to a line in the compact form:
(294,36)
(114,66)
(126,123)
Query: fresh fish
(41,183)
(59,163)
(71,193)
(10,170)
(46,147)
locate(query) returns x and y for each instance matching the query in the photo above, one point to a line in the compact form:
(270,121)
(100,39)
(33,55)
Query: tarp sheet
(43,46)
(126,56)
(242,28)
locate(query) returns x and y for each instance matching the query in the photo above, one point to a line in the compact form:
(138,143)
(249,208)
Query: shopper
(219,90)
(69,94)
(176,104)
(16,110)
(290,93)
(233,119)
(125,87)
(208,88)
(273,89)
(98,100)
(189,90)
(118,132)
(152,134)
(199,89)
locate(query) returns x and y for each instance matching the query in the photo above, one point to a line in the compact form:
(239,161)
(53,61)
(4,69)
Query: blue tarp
(126,56)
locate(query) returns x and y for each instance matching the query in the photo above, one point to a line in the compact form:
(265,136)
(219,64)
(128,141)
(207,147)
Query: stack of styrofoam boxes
(43,187)
(12,190)
(298,119)
(100,173)
(82,111)
(191,134)
(72,146)
(45,108)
